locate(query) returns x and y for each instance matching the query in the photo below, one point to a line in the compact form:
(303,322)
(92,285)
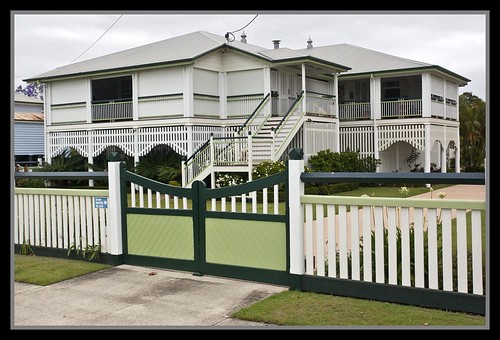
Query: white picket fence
(406,242)
(422,243)
(60,218)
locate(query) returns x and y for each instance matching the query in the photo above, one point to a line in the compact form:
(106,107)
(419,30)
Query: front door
(288,91)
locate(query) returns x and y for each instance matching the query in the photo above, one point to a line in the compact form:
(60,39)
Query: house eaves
(179,50)
(364,62)
(286,56)
(462,81)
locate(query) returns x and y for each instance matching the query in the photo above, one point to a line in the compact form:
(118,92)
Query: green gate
(239,232)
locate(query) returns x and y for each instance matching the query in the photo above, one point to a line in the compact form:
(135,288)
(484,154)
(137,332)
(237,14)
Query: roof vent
(276,43)
(243,37)
(309,43)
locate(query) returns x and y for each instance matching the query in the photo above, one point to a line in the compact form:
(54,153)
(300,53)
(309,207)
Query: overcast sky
(456,40)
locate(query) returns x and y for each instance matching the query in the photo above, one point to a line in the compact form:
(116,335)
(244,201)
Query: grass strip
(43,271)
(294,308)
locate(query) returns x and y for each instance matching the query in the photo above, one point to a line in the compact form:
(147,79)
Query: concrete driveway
(129,296)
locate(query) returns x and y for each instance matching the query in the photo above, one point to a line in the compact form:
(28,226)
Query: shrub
(347,161)
(268,168)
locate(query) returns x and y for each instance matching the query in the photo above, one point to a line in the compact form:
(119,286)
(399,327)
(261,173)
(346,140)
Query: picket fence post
(114,236)
(296,216)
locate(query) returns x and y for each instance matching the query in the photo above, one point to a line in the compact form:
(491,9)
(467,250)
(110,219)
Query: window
(391,90)
(112,89)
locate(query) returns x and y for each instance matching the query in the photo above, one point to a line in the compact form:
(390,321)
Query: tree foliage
(67,161)
(162,164)
(472,132)
(34,90)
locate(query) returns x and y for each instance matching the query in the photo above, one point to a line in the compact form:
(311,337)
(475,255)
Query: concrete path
(460,191)
(130,296)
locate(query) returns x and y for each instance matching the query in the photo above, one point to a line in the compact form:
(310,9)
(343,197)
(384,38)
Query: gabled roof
(363,60)
(184,48)
(188,47)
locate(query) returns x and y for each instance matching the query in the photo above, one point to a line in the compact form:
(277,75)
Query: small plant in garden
(404,191)
(26,249)
(412,161)
(88,253)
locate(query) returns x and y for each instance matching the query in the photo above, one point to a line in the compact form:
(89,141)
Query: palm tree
(68,160)
(162,164)
(472,132)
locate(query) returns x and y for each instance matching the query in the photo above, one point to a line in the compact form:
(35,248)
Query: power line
(231,33)
(97,40)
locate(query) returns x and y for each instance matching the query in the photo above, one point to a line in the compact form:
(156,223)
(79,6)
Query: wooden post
(183,173)
(296,216)
(114,239)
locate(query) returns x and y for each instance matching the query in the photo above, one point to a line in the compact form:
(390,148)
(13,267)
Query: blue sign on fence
(100,202)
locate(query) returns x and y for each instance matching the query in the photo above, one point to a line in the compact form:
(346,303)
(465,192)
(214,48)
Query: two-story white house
(228,105)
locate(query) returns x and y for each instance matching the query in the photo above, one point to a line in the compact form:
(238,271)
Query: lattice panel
(413,134)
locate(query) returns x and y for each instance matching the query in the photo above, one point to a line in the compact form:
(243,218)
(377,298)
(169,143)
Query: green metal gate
(239,232)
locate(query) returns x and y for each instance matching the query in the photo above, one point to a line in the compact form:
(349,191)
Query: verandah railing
(389,109)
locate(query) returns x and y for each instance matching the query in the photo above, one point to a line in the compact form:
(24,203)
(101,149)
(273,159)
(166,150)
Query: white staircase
(267,141)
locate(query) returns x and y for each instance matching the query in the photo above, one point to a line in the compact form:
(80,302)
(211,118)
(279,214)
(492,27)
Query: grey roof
(22,98)
(180,48)
(187,47)
(282,53)
(363,60)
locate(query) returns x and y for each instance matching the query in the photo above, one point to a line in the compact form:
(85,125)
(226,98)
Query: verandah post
(114,239)
(296,215)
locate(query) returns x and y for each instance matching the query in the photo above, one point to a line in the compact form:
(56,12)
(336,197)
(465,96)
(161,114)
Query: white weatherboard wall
(205,82)
(67,101)
(245,82)
(160,92)
(68,91)
(160,82)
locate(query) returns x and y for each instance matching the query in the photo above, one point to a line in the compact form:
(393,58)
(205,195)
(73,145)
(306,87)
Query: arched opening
(101,161)
(161,164)
(401,157)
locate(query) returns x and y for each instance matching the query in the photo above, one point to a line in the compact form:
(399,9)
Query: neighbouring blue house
(29,136)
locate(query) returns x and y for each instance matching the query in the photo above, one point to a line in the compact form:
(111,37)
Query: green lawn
(389,191)
(293,308)
(43,271)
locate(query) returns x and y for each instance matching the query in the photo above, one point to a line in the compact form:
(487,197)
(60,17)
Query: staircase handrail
(254,114)
(290,110)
